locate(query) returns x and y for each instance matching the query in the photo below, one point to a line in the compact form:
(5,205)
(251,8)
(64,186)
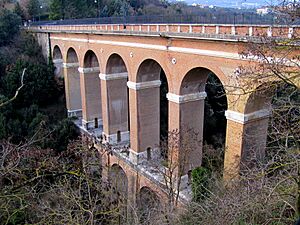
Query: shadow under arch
(72,56)
(57,59)
(115,64)
(149,205)
(57,53)
(90,60)
(119,190)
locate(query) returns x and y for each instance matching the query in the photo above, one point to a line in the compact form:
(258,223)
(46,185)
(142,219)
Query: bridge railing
(249,18)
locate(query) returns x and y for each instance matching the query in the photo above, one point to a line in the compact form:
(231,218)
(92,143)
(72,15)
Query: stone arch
(260,98)
(149,70)
(91,93)
(58,61)
(90,60)
(118,179)
(119,190)
(115,64)
(150,92)
(149,205)
(194,81)
(115,100)
(57,54)
(72,56)
(72,84)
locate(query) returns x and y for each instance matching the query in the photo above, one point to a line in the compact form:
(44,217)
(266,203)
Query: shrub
(200,178)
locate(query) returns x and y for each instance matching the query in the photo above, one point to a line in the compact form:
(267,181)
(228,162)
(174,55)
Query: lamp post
(40,12)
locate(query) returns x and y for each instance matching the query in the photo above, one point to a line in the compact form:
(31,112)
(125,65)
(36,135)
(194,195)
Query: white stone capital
(245,118)
(186,98)
(89,70)
(70,65)
(143,85)
(114,76)
(57,61)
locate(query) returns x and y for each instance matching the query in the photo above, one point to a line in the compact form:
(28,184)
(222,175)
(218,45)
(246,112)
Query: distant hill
(233,3)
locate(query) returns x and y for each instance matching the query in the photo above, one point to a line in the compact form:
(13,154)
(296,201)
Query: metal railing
(251,19)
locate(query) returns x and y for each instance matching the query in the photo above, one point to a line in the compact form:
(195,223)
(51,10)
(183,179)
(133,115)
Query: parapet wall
(228,31)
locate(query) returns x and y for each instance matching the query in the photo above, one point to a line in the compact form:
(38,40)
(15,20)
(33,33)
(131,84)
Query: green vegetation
(30,114)
(200,180)
(9,27)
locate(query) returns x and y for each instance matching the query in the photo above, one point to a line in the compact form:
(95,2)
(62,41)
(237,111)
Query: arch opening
(57,53)
(58,61)
(90,60)
(149,205)
(215,123)
(283,133)
(72,84)
(115,64)
(203,122)
(153,105)
(116,98)
(91,93)
(119,191)
(274,128)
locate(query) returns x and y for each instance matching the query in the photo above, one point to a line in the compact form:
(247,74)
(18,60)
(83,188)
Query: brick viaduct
(112,81)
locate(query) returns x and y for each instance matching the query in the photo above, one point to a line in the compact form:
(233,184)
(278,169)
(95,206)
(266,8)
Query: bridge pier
(91,97)
(246,139)
(144,119)
(182,117)
(115,107)
(72,89)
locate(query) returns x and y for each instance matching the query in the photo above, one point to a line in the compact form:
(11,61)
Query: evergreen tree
(33,8)
(56,10)
(9,26)
(19,11)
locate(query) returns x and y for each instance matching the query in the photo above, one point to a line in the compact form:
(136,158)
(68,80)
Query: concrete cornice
(114,76)
(89,70)
(143,85)
(70,65)
(245,118)
(220,54)
(186,98)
